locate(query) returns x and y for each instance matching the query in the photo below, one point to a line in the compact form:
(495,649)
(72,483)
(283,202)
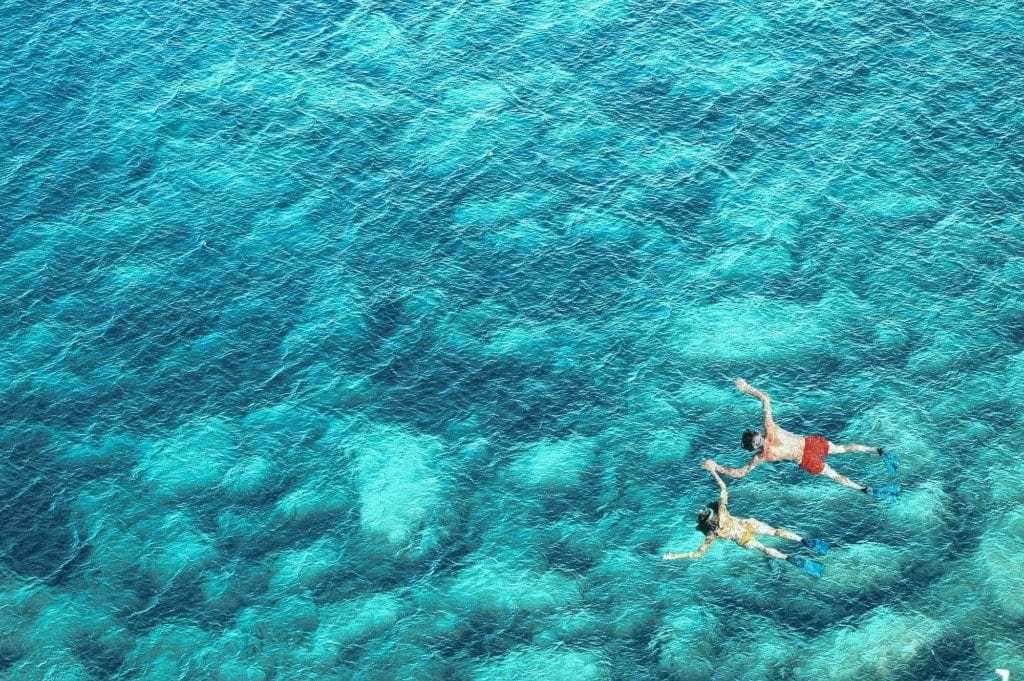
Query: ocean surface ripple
(364,340)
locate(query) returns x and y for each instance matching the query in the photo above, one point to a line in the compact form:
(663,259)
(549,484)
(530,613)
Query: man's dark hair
(748,439)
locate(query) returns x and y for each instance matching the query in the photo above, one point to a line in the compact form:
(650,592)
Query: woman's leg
(758,546)
(768,530)
(816,545)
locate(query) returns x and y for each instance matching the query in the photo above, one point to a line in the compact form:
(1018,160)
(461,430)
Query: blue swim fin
(885,492)
(811,567)
(819,546)
(891,461)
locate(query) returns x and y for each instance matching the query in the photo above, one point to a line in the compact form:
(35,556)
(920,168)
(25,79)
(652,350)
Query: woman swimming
(716,522)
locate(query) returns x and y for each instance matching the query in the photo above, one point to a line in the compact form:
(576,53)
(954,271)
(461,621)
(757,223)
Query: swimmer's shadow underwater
(778,444)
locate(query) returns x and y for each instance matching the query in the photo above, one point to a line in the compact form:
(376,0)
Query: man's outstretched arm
(741,471)
(691,554)
(766,403)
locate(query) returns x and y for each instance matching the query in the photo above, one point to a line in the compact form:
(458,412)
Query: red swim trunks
(815,451)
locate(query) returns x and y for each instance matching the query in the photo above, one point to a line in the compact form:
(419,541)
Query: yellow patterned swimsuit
(746,535)
(739,530)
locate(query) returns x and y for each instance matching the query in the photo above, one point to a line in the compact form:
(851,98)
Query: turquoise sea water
(370,340)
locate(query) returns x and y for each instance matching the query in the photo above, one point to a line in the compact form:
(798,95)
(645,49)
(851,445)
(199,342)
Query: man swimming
(808,451)
(715,522)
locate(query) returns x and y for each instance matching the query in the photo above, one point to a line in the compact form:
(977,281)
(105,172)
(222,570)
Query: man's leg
(833,448)
(891,461)
(887,492)
(831,474)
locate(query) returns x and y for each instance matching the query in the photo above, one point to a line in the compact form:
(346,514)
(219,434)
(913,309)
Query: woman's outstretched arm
(691,554)
(723,497)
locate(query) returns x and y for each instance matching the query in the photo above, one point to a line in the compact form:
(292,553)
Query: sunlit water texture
(369,340)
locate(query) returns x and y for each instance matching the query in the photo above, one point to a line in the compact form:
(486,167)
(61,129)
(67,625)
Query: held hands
(709,465)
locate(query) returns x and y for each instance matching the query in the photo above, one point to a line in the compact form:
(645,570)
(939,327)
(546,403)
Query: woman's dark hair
(748,439)
(706,523)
